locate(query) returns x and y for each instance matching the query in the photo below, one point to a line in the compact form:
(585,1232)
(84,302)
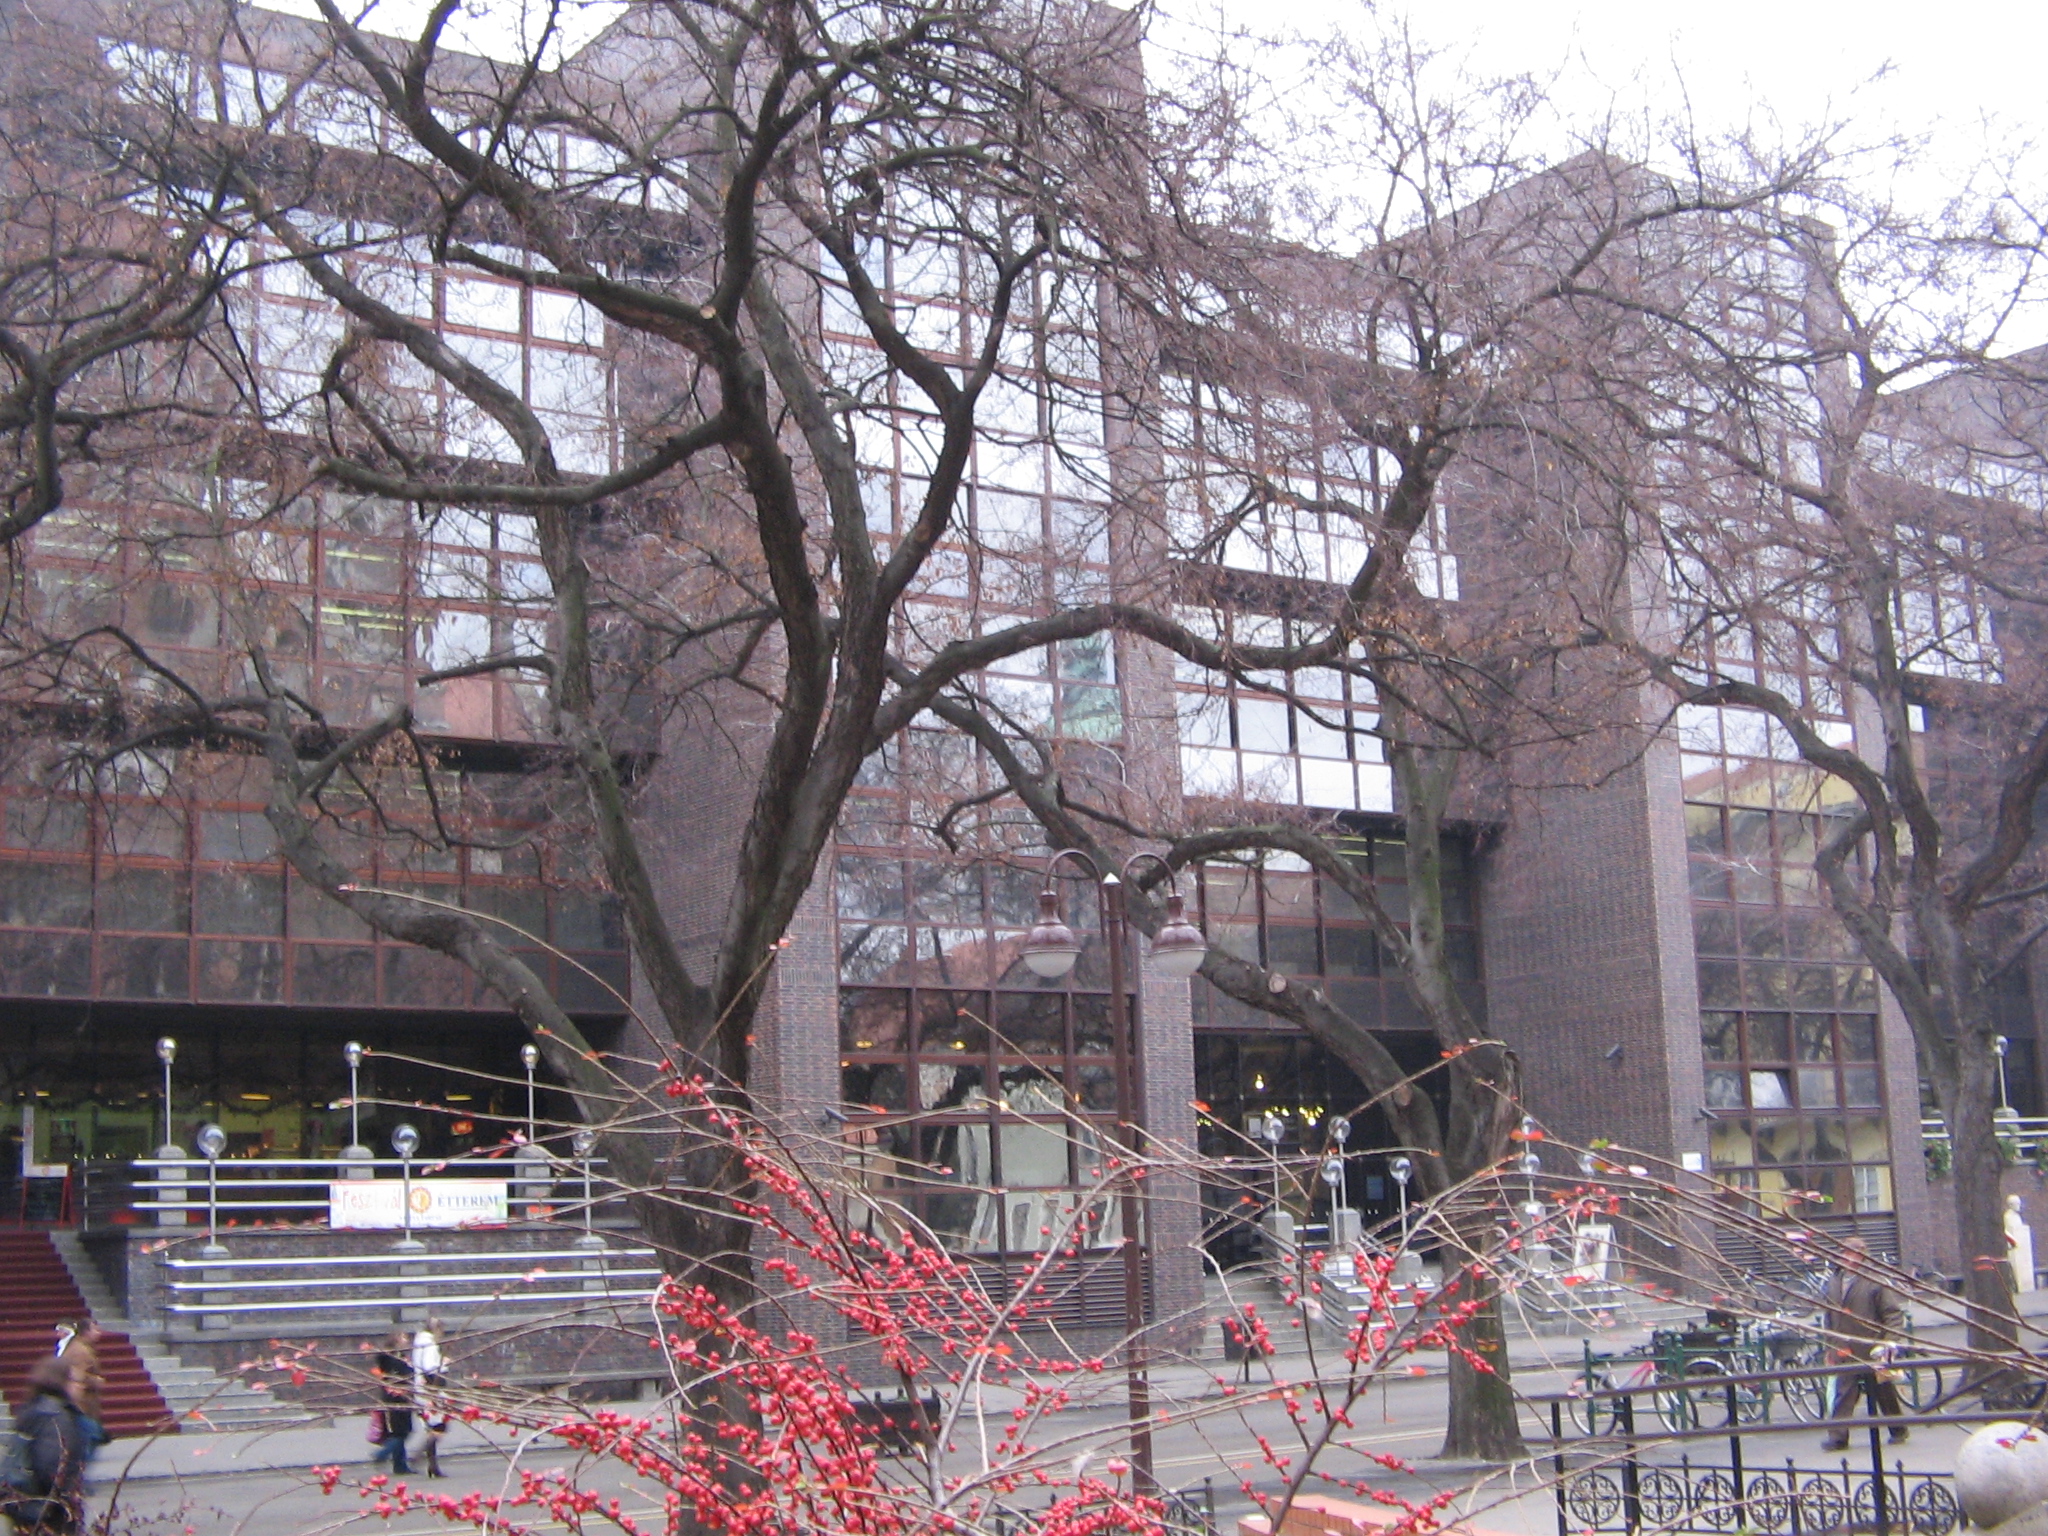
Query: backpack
(17,1465)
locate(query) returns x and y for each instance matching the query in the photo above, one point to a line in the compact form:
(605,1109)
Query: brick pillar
(1174,1210)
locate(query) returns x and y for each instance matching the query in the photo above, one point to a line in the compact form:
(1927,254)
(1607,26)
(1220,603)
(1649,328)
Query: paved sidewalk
(341,1442)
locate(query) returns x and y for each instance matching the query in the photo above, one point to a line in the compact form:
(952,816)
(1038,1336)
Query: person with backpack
(45,1464)
(391,1426)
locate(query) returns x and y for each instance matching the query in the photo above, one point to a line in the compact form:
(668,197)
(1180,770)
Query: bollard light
(583,1143)
(1340,1133)
(212,1142)
(405,1141)
(352,1053)
(529,1058)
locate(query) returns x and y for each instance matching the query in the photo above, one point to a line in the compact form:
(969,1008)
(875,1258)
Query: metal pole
(1129,1111)
(167,1103)
(1631,1474)
(1881,1504)
(1557,1464)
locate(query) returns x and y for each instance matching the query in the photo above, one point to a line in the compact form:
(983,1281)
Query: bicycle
(1685,1399)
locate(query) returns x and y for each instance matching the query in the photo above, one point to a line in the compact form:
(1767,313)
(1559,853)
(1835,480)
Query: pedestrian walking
(81,1356)
(41,1477)
(427,1362)
(1865,1322)
(392,1426)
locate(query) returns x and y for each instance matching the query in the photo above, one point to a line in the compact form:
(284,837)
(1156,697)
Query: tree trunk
(1482,1422)
(1968,1099)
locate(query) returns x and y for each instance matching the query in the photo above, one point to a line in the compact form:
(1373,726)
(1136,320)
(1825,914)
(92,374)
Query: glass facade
(1291,920)
(980,1096)
(275,1085)
(1788,1010)
(185,899)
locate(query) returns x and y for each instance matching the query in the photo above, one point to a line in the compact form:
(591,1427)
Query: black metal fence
(1612,1481)
(1796,1501)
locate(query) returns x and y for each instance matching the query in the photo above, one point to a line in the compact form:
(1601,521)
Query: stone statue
(2019,1237)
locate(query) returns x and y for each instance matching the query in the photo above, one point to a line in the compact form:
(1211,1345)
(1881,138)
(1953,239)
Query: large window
(347,598)
(1788,1014)
(1270,485)
(1285,917)
(1299,738)
(1030,528)
(185,899)
(985,1116)
(981,1097)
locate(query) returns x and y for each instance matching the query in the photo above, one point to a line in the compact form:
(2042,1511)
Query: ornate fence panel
(1706,1500)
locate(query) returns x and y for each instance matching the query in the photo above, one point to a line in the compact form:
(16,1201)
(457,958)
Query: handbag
(379,1431)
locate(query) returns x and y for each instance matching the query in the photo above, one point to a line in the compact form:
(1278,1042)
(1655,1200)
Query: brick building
(1653,947)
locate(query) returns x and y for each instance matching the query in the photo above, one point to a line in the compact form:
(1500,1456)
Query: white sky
(1967,72)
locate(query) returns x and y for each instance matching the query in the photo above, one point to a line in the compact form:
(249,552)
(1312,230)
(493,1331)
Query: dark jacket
(394,1391)
(1863,1312)
(57,1444)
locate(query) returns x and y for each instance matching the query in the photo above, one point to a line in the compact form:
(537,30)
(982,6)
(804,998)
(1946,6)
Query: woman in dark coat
(54,1436)
(393,1369)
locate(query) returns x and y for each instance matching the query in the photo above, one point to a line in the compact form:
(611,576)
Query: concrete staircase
(194,1397)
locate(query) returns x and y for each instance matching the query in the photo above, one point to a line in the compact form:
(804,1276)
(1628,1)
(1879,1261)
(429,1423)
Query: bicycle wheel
(1920,1385)
(1591,1415)
(1682,1406)
(1806,1396)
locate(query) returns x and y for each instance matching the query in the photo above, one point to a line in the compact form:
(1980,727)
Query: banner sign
(435,1203)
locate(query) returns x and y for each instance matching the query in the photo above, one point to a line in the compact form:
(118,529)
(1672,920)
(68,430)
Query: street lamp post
(1333,1176)
(170,1152)
(405,1141)
(167,1052)
(1340,1133)
(1050,950)
(531,1159)
(1408,1267)
(355,1151)
(212,1142)
(529,1058)
(1274,1131)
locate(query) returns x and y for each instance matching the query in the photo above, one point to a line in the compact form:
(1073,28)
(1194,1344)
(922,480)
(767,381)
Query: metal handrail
(194,1309)
(422,1167)
(2020,1128)
(463,1277)
(424,1258)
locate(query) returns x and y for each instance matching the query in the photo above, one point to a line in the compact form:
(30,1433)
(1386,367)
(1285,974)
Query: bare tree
(1330,431)
(97,298)
(1839,497)
(650,385)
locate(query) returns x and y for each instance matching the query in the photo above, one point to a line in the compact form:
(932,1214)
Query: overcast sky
(1941,69)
